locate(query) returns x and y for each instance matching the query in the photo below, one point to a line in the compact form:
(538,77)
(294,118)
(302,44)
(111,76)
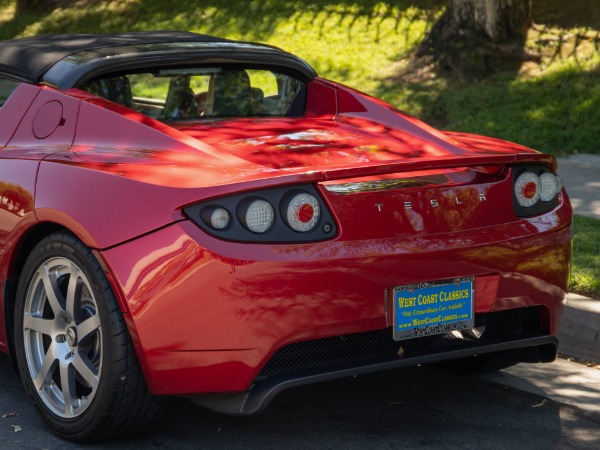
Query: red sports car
(193,216)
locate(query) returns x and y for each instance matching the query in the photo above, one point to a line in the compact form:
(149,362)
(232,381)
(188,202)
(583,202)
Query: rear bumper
(257,398)
(206,316)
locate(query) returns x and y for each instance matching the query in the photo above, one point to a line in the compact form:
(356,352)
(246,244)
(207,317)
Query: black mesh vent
(378,346)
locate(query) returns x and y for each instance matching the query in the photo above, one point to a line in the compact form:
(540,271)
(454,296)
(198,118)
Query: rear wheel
(74,353)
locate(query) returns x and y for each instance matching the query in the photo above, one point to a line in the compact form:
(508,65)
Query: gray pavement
(412,408)
(581,174)
(563,381)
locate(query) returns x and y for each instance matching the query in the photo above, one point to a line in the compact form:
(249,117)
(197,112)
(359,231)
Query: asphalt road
(411,408)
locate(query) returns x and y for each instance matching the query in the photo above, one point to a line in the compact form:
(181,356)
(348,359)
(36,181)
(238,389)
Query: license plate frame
(433,307)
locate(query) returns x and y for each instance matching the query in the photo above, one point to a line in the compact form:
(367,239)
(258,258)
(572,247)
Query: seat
(115,89)
(181,101)
(229,94)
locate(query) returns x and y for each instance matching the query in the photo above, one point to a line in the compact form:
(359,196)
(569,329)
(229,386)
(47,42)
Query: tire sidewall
(67,246)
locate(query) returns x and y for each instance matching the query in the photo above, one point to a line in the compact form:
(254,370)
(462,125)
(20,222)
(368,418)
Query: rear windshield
(204,93)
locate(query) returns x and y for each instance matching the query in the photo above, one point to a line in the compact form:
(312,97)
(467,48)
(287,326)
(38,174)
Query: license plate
(435,307)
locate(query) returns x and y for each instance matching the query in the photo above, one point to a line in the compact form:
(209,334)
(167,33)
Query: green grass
(553,106)
(355,42)
(557,112)
(585,272)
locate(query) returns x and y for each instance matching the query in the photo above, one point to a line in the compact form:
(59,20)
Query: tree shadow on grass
(254,19)
(555,111)
(574,13)
(11,24)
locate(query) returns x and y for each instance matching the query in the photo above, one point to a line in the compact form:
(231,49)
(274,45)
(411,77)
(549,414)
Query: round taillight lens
(216,217)
(527,189)
(550,186)
(258,215)
(219,218)
(302,212)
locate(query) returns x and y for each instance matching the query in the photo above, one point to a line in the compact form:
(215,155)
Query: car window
(265,81)
(204,93)
(6,89)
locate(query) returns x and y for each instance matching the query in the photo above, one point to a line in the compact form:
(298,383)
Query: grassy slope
(553,106)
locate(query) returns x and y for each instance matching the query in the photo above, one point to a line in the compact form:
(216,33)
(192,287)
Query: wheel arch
(98,396)
(21,250)
(19,254)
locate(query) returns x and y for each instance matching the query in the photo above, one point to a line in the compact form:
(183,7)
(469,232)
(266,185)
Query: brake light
(527,189)
(536,190)
(302,211)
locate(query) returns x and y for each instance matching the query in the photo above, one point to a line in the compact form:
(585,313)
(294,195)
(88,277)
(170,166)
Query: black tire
(74,353)
(474,365)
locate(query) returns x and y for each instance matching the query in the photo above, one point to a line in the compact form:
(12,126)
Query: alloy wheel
(62,337)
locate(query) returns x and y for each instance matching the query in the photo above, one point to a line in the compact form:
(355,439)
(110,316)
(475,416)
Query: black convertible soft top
(30,59)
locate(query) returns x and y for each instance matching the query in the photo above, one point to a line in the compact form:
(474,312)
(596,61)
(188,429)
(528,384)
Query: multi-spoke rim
(62,337)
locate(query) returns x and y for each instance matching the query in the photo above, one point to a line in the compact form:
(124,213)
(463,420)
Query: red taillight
(536,190)
(305,213)
(527,189)
(302,212)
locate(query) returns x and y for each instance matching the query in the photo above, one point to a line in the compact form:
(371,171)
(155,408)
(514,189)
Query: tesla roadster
(184,215)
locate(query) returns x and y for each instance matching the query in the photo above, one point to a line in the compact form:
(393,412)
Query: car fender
(101,208)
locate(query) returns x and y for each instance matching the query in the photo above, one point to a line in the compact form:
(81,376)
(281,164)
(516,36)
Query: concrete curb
(579,332)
